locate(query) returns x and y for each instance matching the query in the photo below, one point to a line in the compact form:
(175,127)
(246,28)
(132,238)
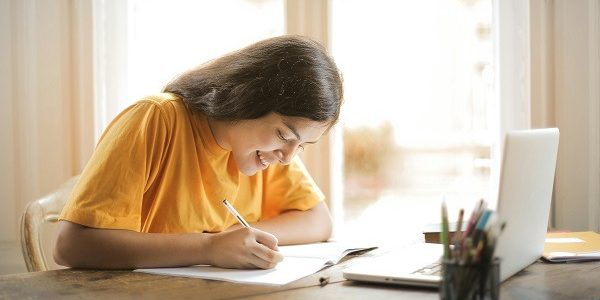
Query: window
(416,121)
(169,37)
(165,38)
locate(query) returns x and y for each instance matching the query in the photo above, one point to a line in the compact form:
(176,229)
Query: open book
(572,246)
(299,261)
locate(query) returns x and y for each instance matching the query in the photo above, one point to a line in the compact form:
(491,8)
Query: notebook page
(333,252)
(290,269)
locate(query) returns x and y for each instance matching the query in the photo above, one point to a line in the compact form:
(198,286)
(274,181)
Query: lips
(264,163)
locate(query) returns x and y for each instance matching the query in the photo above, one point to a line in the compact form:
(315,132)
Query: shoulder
(170,107)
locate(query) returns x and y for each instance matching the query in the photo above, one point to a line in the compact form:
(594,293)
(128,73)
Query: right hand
(244,248)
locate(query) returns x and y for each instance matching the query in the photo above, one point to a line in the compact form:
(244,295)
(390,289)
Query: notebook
(525,190)
(299,261)
(572,246)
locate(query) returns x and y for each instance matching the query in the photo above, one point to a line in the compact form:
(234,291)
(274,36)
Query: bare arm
(298,227)
(86,247)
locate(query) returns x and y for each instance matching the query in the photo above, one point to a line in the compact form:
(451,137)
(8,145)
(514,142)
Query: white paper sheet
(290,269)
(299,261)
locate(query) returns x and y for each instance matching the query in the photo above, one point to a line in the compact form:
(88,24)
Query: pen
(235,213)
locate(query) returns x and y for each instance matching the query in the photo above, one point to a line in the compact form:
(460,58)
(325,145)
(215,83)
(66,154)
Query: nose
(286,154)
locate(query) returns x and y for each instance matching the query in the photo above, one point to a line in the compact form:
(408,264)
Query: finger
(261,263)
(266,239)
(267,254)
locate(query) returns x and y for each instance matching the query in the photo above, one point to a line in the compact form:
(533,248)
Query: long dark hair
(288,75)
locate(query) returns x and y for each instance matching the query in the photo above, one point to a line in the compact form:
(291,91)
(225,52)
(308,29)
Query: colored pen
(480,227)
(485,216)
(235,213)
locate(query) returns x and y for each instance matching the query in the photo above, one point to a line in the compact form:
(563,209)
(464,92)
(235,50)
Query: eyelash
(281,136)
(285,140)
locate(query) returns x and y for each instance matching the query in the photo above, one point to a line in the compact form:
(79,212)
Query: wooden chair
(37,213)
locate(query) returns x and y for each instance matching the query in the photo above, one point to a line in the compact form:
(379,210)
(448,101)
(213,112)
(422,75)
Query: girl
(151,194)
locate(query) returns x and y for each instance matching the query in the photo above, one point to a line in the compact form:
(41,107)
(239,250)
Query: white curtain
(47,100)
(548,75)
(575,89)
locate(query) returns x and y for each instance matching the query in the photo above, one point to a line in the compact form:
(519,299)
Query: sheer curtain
(573,90)
(46,94)
(550,53)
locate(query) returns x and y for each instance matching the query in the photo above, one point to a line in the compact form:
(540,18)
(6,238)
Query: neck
(219,132)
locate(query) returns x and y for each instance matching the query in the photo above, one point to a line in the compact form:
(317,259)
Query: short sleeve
(109,193)
(289,187)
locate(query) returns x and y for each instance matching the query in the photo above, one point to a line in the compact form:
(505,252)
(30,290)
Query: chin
(249,172)
(248,164)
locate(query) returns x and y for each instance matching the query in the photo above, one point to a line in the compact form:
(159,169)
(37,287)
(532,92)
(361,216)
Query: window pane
(170,37)
(415,120)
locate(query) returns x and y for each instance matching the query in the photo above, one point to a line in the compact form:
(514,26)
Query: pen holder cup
(470,281)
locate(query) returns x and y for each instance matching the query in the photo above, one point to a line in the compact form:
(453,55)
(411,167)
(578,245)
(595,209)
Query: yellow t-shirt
(158,168)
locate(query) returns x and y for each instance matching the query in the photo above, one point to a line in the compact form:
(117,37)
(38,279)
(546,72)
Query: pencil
(235,213)
(456,238)
(473,219)
(444,236)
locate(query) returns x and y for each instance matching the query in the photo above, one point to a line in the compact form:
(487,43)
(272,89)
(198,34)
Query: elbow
(59,256)
(64,253)
(328,230)
(60,252)
(325,221)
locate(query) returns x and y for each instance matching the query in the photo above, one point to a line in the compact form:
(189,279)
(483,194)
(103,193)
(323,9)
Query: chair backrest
(38,212)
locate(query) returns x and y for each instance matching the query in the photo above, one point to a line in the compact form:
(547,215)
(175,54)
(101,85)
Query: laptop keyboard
(432,269)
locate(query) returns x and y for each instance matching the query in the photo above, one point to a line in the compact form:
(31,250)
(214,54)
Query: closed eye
(281,136)
(283,139)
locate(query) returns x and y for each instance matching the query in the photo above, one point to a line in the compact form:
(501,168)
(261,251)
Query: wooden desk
(538,281)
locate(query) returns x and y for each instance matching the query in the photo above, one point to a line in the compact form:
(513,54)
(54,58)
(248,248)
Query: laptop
(525,191)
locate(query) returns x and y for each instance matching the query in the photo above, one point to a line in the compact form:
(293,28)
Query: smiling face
(271,139)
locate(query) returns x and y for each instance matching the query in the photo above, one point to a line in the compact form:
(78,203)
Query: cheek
(247,145)
(263,143)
